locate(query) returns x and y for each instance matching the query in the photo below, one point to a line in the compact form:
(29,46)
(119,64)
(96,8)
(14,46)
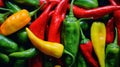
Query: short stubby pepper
(15,22)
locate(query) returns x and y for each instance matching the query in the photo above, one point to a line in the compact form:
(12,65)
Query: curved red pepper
(38,26)
(93,13)
(56,21)
(110,31)
(87,49)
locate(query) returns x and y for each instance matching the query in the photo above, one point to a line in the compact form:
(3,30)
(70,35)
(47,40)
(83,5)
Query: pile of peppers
(59,33)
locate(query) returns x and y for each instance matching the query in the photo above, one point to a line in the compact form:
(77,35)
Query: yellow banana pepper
(98,37)
(48,48)
(15,22)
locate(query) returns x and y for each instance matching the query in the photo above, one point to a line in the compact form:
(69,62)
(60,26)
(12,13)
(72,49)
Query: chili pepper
(49,48)
(38,26)
(1,3)
(88,4)
(56,21)
(93,13)
(15,22)
(98,37)
(114,2)
(112,52)
(4,58)
(34,3)
(110,31)
(3,16)
(117,23)
(87,48)
(81,62)
(70,36)
(7,45)
(24,54)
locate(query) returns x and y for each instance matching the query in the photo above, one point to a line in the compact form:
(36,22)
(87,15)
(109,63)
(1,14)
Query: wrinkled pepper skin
(48,48)
(98,37)
(15,22)
(86,3)
(7,45)
(112,53)
(70,36)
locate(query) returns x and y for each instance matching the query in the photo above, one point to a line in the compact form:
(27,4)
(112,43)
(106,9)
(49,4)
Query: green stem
(68,53)
(83,36)
(71,9)
(5,9)
(33,12)
(116,36)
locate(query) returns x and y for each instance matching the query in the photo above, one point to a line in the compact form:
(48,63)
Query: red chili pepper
(57,18)
(87,49)
(47,3)
(117,23)
(110,31)
(93,13)
(1,3)
(115,2)
(39,25)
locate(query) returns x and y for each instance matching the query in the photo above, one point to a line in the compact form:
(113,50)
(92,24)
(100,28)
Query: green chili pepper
(70,37)
(87,3)
(81,60)
(112,52)
(3,16)
(24,54)
(4,58)
(34,3)
(7,45)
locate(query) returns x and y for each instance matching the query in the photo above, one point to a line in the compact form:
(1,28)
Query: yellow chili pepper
(15,22)
(98,37)
(49,48)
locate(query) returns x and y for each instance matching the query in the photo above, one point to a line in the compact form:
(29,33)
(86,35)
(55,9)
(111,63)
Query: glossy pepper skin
(56,21)
(110,30)
(70,36)
(88,4)
(15,22)
(38,27)
(98,37)
(7,45)
(112,53)
(87,49)
(34,3)
(93,13)
(48,48)
(29,53)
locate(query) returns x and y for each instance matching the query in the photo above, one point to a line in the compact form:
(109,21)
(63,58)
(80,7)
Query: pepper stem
(83,36)
(71,9)
(116,36)
(5,9)
(68,53)
(33,12)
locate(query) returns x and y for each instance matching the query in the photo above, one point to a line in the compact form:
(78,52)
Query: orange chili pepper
(15,22)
